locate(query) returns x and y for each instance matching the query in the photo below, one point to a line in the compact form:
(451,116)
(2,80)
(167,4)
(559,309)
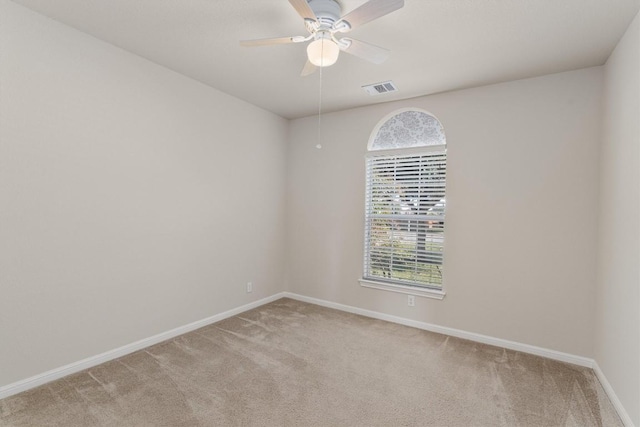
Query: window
(405,204)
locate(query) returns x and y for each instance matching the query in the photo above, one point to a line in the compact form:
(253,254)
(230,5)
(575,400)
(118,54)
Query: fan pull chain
(319,144)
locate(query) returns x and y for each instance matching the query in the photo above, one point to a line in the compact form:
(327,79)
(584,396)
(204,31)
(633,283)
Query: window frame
(377,282)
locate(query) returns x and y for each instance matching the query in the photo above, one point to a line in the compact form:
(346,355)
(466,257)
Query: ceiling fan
(324,22)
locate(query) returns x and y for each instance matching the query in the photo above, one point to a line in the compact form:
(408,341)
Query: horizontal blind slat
(404,220)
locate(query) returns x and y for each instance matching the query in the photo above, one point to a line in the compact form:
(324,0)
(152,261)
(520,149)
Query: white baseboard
(498,342)
(624,416)
(72,368)
(90,362)
(484,339)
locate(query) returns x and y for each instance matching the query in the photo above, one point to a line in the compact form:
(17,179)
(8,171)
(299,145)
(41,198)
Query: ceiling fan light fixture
(323,52)
(324,20)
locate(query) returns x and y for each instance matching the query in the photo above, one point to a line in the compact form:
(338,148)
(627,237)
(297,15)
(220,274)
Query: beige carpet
(294,364)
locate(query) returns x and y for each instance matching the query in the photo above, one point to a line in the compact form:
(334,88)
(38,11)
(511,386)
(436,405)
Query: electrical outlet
(411,300)
(249,287)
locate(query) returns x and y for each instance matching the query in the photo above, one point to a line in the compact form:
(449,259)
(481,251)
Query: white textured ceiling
(437,45)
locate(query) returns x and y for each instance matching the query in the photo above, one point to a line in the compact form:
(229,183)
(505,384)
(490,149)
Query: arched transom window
(407,129)
(405,204)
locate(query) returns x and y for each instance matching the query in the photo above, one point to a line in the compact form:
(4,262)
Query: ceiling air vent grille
(380,88)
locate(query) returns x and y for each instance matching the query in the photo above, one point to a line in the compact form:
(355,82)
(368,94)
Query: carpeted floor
(290,363)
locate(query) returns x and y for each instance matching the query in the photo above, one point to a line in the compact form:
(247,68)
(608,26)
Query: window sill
(409,290)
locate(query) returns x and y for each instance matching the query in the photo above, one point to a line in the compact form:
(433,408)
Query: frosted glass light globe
(323,52)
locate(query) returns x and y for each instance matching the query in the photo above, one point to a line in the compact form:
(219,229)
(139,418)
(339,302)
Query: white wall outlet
(411,300)
(249,287)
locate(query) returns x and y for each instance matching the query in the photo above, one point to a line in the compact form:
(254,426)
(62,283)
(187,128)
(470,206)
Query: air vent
(380,88)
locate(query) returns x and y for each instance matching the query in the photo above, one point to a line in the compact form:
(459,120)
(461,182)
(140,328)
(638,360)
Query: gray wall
(618,296)
(521,210)
(132,200)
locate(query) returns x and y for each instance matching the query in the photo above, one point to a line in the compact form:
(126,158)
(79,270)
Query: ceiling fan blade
(303,9)
(370,52)
(267,42)
(369,11)
(308,68)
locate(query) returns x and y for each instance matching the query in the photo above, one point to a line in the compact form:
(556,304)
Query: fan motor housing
(327,11)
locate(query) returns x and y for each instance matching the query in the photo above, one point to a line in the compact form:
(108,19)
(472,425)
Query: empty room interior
(320,212)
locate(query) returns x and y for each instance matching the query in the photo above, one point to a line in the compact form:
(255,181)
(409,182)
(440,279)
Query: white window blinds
(405,206)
